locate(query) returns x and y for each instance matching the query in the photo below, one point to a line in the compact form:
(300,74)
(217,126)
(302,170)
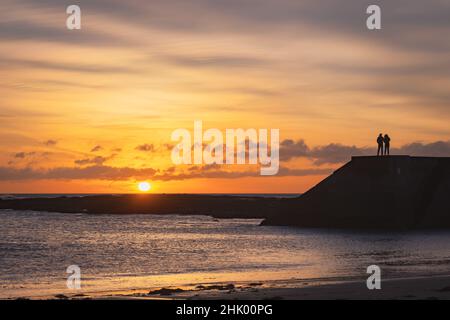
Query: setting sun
(144,186)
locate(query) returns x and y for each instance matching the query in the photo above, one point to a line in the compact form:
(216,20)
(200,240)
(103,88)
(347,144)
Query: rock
(165,291)
(255,284)
(445,289)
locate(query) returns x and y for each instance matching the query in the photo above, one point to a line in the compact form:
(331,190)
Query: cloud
(290,149)
(146,147)
(328,154)
(98,172)
(96,148)
(33,29)
(31,157)
(335,153)
(68,67)
(252,16)
(168,146)
(402,19)
(98,160)
(102,172)
(50,142)
(10,113)
(435,149)
(211,172)
(305,29)
(224,61)
(22,155)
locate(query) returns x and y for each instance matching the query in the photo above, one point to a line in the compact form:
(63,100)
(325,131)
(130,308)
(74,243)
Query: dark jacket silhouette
(387,144)
(380,141)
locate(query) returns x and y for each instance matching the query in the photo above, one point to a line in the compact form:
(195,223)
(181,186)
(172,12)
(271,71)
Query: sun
(144,186)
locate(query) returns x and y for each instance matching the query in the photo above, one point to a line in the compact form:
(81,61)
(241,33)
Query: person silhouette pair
(384,144)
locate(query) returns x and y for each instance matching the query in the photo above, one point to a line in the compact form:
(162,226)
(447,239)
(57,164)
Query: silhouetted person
(387,144)
(380,141)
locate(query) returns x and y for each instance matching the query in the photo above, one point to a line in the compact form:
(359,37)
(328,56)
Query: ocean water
(118,252)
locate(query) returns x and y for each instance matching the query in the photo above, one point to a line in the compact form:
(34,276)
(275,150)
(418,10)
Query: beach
(432,288)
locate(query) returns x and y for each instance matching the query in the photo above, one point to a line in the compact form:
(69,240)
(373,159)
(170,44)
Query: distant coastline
(217,206)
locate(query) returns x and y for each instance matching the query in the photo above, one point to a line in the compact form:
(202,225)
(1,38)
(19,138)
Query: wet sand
(404,289)
(432,288)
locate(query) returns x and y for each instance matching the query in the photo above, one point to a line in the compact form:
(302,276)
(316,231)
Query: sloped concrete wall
(398,192)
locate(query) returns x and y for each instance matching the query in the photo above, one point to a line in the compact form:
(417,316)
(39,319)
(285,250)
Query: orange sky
(92,110)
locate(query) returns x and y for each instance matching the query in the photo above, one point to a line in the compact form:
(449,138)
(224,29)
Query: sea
(123,253)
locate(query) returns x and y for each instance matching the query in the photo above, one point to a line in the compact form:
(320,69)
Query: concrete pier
(393,192)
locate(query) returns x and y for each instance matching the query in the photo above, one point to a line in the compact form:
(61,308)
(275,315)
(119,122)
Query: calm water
(141,251)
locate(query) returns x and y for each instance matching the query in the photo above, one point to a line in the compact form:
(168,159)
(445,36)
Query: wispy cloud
(145,147)
(50,142)
(98,160)
(94,168)
(68,67)
(102,172)
(97,172)
(97,148)
(22,155)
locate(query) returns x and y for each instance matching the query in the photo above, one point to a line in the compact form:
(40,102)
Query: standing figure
(387,144)
(380,141)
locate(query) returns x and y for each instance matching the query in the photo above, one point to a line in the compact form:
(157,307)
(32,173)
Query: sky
(92,110)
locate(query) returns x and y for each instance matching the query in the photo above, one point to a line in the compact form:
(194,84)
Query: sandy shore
(431,288)
(420,288)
